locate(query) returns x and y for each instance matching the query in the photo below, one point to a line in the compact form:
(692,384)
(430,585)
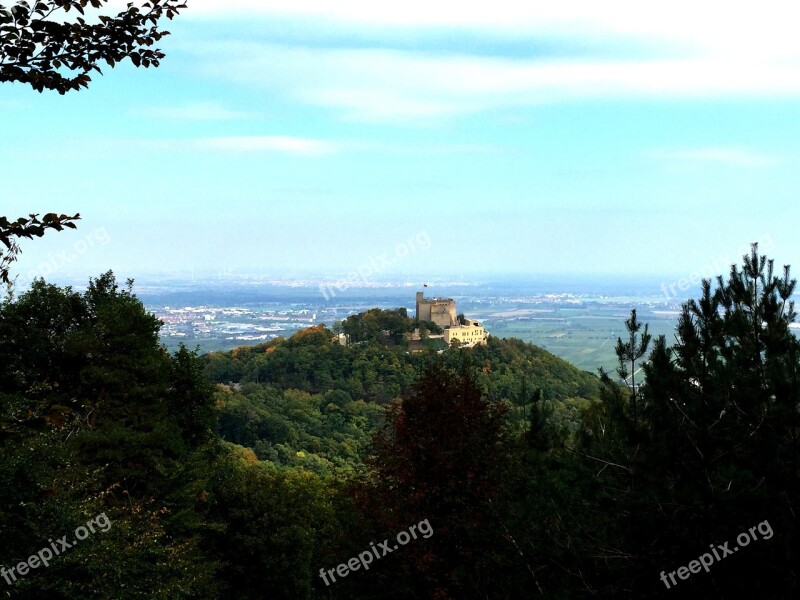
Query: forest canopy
(244,474)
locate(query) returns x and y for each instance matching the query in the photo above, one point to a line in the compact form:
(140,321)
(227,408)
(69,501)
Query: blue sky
(285,138)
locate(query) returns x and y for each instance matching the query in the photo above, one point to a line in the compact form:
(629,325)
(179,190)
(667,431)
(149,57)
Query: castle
(442,311)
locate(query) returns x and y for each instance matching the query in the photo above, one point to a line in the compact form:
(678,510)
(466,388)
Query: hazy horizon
(298,137)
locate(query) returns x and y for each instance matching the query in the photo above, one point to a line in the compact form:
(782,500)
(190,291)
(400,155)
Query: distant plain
(578,321)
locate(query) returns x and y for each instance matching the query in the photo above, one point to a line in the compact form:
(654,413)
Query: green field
(585,337)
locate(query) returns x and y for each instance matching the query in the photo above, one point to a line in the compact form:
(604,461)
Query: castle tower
(441,311)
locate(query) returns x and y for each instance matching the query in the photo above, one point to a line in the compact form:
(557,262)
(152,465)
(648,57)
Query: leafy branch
(46,52)
(27,227)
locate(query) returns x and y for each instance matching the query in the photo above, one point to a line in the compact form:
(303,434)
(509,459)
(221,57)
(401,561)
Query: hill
(309,401)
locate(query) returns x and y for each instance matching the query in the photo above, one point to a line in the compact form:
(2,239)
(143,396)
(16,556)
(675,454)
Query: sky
(436,138)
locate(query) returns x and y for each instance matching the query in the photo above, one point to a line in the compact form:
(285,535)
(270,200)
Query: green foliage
(631,351)
(265,528)
(190,391)
(312,362)
(97,417)
(25,227)
(430,327)
(377,325)
(537,479)
(38,43)
(328,428)
(556,378)
(322,433)
(713,450)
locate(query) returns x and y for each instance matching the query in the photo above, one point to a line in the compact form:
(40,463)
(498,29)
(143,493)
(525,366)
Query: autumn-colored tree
(443,458)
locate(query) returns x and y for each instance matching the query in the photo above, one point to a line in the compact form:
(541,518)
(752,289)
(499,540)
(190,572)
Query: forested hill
(311,360)
(525,477)
(308,401)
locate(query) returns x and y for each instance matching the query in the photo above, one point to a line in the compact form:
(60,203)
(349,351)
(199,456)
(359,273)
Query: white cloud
(679,49)
(626,14)
(741,28)
(102,148)
(197,111)
(380,84)
(266,143)
(738,157)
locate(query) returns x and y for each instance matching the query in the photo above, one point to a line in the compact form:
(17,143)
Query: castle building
(442,311)
(469,334)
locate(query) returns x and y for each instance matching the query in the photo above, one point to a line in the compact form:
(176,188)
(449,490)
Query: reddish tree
(443,458)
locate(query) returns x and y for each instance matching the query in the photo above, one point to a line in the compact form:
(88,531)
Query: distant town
(230,324)
(580,325)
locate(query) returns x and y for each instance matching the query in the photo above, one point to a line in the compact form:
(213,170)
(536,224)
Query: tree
(41,46)
(715,448)
(443,457)
(27,227)
(432,327)
(95,416)
(630,352)
(376,325)
(191,397)
(727,410)
(265,529)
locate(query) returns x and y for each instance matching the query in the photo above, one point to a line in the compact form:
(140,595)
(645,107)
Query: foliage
(718,450)
(41,46)
(429,327)
(26,227)
(264,528)
(443,459)
(311,361)
(322,433)
(375,325)
(537,479)
(308,401)
(631,351)
(96,417)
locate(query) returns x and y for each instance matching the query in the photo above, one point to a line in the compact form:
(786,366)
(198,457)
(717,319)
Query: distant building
(441,311)
(469,334)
